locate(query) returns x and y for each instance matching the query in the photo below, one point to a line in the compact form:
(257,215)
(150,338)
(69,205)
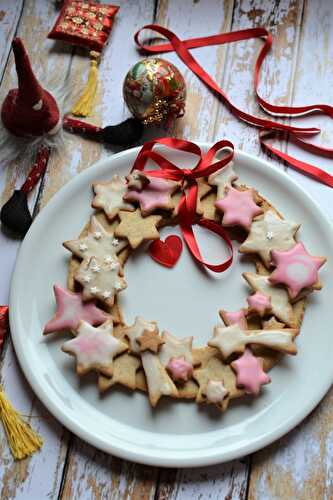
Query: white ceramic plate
(185,301)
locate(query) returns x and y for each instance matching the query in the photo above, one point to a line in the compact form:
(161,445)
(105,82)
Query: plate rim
(123,452)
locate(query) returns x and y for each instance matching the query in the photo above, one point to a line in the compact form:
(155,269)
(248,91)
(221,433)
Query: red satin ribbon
(269,128)
(187,177)
(4,324)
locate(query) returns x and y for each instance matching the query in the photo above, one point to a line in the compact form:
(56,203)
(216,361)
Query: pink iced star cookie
(156,194)
(259,303)
(180,369)
(94,348)
(71,310)
(296,269)
(250,374)
(238,208)
(234,318)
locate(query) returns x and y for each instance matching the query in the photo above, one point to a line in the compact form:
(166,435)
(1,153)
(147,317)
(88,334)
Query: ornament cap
(28,110)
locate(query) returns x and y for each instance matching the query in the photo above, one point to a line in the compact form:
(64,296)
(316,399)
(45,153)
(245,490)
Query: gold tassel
(84,105)
(22,439)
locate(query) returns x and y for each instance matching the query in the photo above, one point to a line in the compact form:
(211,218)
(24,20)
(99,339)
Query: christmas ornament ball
(154,90)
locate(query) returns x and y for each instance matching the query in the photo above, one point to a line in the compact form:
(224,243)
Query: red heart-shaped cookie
(166,252)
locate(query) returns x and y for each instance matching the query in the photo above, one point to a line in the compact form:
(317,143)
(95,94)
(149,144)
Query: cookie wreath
(131,210)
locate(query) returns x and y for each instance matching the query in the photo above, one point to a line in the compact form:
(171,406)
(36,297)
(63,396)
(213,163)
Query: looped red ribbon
(188,201)
(268,128)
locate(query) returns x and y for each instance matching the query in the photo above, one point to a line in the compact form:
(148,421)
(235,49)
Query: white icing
(269,233)
(223,178)
(174,347)
(298,271)
(136,330)
(233,339)
(215,391)
(109,196)
(281,307)
(158,381)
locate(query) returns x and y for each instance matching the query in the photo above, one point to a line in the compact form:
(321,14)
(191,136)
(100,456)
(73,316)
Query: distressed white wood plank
(10,13)
(212,483)
(40,475)
(300,465)
(188,20)
(90,473)
(283,20)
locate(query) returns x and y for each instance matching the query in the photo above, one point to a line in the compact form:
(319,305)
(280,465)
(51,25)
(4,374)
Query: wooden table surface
(299,70)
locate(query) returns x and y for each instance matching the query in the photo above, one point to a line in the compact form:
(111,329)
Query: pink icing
(259,303)
(88,345)
(250,374)
(155,195)
(71,310)
(236,318)
(239,208)
(295,268)
(179,369)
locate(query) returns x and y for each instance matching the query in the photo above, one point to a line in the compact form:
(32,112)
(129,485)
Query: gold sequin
(77,20)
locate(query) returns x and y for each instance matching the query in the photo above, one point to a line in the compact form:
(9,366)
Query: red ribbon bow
(187,177)
(268,128)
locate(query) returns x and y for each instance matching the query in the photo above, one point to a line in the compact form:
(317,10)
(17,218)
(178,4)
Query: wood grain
(300,465)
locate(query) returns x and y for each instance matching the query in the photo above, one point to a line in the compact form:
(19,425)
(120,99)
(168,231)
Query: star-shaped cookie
(234,318)
(281,307)
(109,196)
(125,368)
(137,180)
(137,228)
(100,280)
(223,178)
(232,339)
(136,330)
(174,347)
(259,304)
(156,194)
(149,340)
(296,269)
(97,243)
(238,207)
(179,369)
(250,374)
(215,392)
(71,310)
(94,348)
(269,233)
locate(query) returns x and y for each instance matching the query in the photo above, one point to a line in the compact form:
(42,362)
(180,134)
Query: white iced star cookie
(135,331)
(100,280)
(232,339)
(175,347)
(215,392)
(269,233)
(223,178)
(94,348)
(109,196)
(281,307)
(97,243)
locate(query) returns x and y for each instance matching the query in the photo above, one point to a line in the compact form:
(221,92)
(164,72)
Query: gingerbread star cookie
(269,233)
(71,310)
(296,269)
(222,179)
(232,339)
(97,243)
(250,373)
(125,369)
(137,180)
(133,332)
(137,228)
(94,348)
(101,279)
(109,196)
(281,307)
(149,340)
(238,207)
